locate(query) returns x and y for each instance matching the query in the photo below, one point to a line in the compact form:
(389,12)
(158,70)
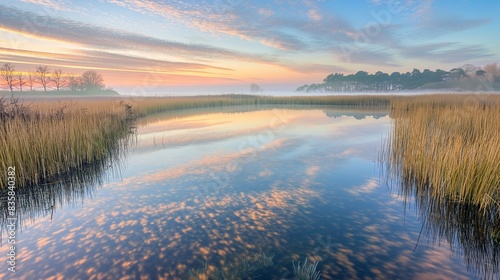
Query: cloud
(417,9)
(439,25)
(371,57)
(49,27)
(246,20)
(94,59)
(314,68)
(52,4)
(445,52)
(314,15)
(266,12)
(284,41)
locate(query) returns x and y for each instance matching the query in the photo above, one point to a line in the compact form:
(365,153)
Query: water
(220,185)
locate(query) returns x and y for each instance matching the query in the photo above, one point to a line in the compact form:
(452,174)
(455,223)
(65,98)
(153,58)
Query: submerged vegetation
(246,269)
(306,271)
(250,268)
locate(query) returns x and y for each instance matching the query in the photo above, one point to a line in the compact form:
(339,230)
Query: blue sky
(279,44)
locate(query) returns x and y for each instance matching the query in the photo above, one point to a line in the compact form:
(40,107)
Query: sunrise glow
(228,44)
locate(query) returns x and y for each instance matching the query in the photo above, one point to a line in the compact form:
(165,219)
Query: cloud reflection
(158,224)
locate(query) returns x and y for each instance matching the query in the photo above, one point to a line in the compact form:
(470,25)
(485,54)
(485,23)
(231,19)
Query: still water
(218,186)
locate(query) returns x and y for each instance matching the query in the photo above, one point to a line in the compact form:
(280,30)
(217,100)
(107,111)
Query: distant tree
(469,69)
(415,72)
(395,81)
(58,79)
(42,74)
(91,80)
(334,82)
(440,75)
(302,88)
(457,73)
(7,72)
(480,73)
(255,88)
(380,82)
(74,83)
(21,78)
(416,79)
(31,80)
(492,72)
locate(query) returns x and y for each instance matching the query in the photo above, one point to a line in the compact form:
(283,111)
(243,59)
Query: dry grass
(49,139)
(152,105)
(448,146)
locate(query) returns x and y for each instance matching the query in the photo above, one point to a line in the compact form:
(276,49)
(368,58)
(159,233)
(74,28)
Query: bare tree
(74,83)
(58,79)
(21,78)
(492,72)
(91,80)
(255,88)
(42,73)
(31,80)
(7,72)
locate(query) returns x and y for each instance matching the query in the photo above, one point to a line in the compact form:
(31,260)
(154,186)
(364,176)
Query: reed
(152,105)
(306,271)
(448,146)
(45,141)
(243,270)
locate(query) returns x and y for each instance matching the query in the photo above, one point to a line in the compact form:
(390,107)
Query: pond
(218,186)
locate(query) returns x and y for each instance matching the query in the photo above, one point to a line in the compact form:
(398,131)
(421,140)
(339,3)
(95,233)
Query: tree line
(46,79)
(427,79)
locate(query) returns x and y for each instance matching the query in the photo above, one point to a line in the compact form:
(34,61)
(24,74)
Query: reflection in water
(471,232)
(68,189)
(358,114)
(222,187)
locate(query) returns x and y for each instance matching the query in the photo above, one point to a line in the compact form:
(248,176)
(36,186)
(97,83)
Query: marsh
(216,186)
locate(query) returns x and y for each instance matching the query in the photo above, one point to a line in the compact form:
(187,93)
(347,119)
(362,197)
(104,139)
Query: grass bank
(153,105)
(448,146)
(61,93)
(45,140)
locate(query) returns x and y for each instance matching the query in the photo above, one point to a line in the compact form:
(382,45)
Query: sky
(150,47)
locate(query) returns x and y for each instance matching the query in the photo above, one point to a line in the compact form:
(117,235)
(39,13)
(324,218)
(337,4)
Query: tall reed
(151,105)
(44,142)
(448,146)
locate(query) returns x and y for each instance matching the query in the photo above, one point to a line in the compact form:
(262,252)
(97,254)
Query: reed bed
(152,105)
(448,146)
(50,139)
